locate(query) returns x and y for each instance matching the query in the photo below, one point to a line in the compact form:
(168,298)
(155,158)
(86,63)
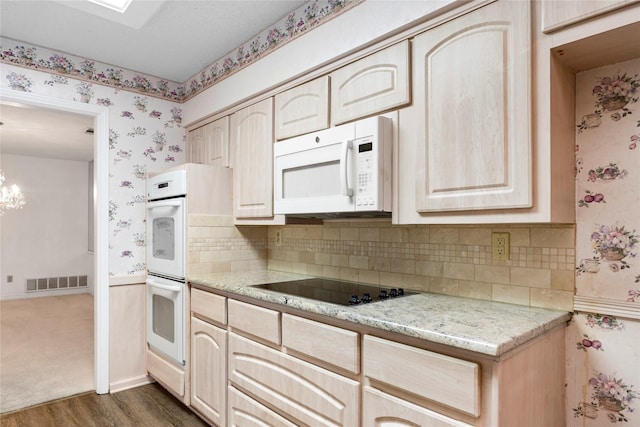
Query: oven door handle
(166,208)
(165,204)
(169,288)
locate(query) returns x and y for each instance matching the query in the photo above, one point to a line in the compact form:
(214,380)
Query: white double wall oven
(166,264)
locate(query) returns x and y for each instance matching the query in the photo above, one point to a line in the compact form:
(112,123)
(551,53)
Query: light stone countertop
(486,327)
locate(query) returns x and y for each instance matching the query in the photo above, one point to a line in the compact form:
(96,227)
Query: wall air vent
(56,283)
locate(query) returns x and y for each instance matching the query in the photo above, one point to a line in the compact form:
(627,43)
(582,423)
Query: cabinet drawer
(336,346)
(443,379)
(260,322)
(376,83)
(308,394)
(246,412)
(166,374)
(381,409)
(209,305)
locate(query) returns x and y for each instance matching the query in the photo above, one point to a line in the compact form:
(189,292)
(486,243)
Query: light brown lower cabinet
(384,410)
(443,379)
(405,385)
(338,374)
(208,370)
(306,393)
(171,377)
(246,412)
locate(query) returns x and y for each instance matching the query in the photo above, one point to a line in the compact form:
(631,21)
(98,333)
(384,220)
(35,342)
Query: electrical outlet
(500,246)
(278,237)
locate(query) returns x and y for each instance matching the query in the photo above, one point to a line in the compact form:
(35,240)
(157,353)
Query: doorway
(100,117)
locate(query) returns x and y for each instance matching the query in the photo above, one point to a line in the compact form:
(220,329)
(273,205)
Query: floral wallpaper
(608,182)
(145,135)
(145,132)
(60,65)
(603,382)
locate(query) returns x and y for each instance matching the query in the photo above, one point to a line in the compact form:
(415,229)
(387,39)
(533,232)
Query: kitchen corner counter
(486,327)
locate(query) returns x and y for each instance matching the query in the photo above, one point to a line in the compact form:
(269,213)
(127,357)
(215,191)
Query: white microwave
(340,171)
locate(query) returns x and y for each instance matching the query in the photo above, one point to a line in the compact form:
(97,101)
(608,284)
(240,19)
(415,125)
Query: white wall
(48,237)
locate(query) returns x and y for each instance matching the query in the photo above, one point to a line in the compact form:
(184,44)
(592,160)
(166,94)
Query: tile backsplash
(215,245)
(452,260)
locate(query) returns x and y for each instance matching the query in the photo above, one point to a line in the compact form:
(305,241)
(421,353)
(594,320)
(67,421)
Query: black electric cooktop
(336,291)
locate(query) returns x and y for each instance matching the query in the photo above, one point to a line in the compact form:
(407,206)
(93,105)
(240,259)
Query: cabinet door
(376,83)
(209,144)
(302,109)
(252,137)
(216,143)
(383,410)
(467,138)
(195,146)
(208,370)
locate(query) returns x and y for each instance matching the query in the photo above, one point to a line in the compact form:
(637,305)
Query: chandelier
(11,198)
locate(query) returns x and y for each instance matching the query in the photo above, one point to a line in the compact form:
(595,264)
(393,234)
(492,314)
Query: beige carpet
(46,349)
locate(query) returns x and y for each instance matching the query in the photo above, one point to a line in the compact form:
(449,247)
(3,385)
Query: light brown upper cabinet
(560,14)
(302,109)
(209,144)
(373,84)
(194,152)
(465,143)
(252,139)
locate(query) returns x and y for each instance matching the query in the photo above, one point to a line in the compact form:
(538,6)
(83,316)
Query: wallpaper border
(289,28)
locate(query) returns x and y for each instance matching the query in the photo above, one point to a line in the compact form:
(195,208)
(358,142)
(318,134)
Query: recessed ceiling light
(117,5)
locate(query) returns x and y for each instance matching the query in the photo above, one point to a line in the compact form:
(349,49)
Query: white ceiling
(173,40)
(38,132)
(169,39)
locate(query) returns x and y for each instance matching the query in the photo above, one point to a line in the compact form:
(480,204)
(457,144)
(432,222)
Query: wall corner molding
(630,310)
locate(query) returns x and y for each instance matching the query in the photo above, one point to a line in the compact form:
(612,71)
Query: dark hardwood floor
(149,405)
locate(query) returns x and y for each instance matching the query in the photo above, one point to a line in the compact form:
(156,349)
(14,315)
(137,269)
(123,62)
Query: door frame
(100,116)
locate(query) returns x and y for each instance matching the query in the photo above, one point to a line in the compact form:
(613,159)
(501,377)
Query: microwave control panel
(366,185)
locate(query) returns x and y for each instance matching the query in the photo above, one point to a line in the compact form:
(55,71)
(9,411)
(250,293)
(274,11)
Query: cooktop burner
(335,291)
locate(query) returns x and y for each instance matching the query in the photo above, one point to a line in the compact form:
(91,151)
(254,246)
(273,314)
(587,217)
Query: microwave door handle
(346,191)
(169,288)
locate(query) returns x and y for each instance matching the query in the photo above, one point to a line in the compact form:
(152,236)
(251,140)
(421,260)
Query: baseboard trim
(630,310)
(128,383)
